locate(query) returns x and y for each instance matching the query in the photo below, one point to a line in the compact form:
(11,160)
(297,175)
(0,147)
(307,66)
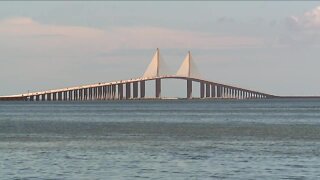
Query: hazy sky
(271,47)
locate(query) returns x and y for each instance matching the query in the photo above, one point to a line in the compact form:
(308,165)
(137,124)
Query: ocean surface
(169,139)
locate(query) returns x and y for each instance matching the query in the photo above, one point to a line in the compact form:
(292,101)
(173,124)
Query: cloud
(27,34)
(309,20)
(303,30)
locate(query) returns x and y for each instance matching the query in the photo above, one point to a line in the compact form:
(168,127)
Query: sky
(272,47)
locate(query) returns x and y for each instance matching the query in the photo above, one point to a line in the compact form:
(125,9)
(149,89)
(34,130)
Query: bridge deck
(133,81)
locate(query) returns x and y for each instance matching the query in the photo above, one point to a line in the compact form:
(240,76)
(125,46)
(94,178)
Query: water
(174,139)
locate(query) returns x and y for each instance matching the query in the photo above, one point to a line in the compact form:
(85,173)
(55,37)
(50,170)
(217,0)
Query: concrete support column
(80,95)
(90,93)
(201,89)
(207,90)
(75,94)
(213,91)
(54,96)
(218,91)
(222,91)
(104,92)
(85,94)
(87,91)
(135,90)
(37,97)
(232,93)
(99,93)
(59,96)
(49,97)
(108,92)
(128,90)
(70,95)
(31,98)
(120,91)
(158,88)
(142,89)
(43,97)
(95,93)
(189,89)
(114,89)
(65,95)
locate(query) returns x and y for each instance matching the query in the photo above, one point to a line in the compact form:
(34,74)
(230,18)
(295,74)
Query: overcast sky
(271,47)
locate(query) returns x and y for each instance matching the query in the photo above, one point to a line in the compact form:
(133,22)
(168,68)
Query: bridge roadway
(114,91)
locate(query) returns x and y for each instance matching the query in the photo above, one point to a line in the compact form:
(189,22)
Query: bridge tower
(156,69)
(189,70)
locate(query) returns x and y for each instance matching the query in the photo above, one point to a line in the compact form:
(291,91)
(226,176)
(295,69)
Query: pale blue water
(174,139)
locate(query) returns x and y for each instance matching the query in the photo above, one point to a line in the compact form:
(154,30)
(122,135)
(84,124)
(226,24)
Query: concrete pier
(189,89)
(142,89)
(158,88)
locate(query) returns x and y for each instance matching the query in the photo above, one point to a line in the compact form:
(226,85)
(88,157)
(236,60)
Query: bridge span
(136,88)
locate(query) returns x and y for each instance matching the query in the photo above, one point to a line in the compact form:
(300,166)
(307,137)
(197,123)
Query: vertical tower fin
(157,66)
(188,68)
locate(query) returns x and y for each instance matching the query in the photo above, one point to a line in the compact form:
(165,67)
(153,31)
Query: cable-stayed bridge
(136,88)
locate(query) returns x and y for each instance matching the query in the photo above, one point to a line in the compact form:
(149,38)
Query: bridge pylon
(188,68)
(157,67)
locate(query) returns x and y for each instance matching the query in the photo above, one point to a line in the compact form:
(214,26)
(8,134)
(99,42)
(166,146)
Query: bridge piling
(37,97)
(158,88)
(114,91)
(128,91)
(189,89)
(120,91)
(59,96)
(135,90)
(49,97)
(207,90)
(142,89)
(213,91)
(201,89)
